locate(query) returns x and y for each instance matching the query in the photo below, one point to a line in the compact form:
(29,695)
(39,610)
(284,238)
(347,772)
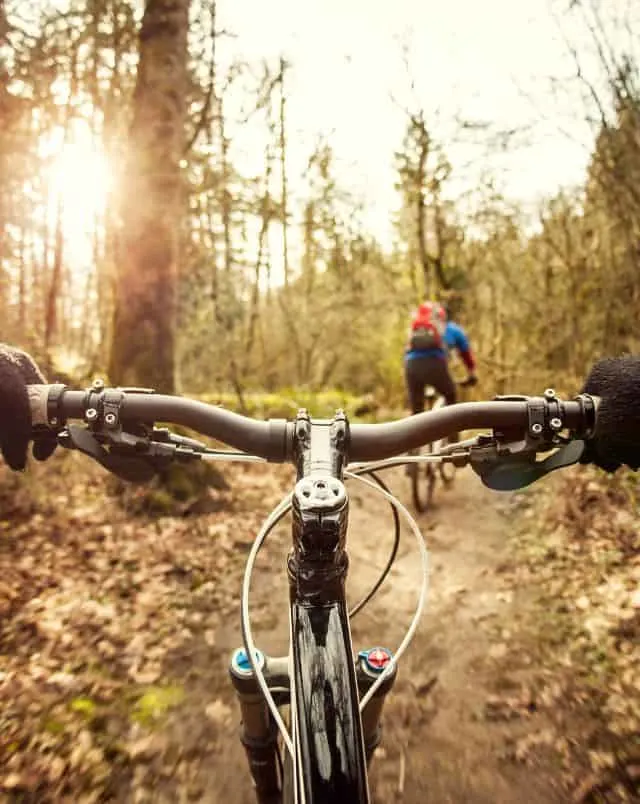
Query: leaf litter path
(116,636)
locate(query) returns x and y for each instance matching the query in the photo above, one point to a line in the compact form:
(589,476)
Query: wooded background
(203,276)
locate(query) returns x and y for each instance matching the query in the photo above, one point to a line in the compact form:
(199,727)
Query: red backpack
(427,327)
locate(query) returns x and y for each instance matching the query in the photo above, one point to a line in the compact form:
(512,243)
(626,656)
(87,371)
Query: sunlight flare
(81,182)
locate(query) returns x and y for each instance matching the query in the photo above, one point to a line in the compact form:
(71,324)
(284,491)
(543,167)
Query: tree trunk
(265,215)
(421,222)
(283,176)
(54,291)
(144,322)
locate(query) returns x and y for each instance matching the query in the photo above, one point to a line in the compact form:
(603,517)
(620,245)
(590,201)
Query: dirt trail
(453,750)
(441,743)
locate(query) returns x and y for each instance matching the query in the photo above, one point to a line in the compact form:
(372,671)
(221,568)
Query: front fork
(258,732)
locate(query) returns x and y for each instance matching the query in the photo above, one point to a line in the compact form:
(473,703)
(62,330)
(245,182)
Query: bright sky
(481,59)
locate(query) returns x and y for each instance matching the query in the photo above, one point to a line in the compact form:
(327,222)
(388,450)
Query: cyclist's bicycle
(334,697)
(423,474)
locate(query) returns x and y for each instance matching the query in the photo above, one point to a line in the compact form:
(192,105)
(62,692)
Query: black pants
(423,371)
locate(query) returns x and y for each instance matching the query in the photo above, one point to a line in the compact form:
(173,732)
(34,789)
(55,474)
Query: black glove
(617,438)
(17,370)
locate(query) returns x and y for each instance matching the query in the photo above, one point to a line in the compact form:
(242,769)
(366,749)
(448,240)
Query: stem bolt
(110,419)
(536,428)
(91,414)
(556,423)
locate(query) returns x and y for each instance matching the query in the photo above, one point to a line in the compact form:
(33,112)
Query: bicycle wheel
(423,481)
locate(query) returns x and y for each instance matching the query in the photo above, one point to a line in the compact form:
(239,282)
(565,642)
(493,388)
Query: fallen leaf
(219,713)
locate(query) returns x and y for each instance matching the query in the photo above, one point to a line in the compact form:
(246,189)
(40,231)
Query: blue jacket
(455,338)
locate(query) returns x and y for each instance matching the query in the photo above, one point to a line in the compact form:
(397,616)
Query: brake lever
(131,468)
(518,468)
(133,458)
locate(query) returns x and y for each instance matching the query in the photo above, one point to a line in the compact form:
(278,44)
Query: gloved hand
(17,370)
(617,438)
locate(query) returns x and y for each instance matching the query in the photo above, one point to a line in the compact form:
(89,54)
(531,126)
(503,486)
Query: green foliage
(286,403)
(155,702)
(84,706)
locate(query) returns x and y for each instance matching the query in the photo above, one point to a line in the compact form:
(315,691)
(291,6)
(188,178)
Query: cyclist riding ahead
(432,335)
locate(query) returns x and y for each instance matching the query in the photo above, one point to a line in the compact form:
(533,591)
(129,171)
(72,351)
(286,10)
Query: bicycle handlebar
(267,439)
(374,442)
(273,439)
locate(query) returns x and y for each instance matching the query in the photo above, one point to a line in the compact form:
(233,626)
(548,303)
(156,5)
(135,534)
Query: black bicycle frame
(322,683)
(330,762)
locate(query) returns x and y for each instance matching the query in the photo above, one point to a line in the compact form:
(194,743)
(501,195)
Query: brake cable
(394,549)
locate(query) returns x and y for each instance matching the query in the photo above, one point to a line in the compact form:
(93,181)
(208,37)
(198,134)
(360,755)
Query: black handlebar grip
(38,401)
(616,441)
(46,404)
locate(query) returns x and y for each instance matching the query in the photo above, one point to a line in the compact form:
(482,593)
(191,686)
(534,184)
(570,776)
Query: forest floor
(116,631)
